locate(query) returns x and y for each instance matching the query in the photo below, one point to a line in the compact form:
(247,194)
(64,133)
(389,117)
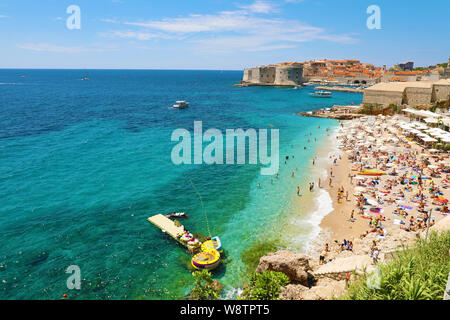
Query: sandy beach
(395,204)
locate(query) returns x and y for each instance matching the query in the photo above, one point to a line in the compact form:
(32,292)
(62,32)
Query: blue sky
(219,34)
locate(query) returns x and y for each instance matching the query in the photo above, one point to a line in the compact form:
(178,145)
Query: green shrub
(394,107)
(419,273)
(265,286)
(205,287)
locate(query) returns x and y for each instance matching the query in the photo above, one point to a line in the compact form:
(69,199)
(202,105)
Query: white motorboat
(180,215)
(321,94)
(181,104)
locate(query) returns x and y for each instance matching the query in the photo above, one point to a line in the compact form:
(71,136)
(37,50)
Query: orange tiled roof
(397,79)
(406,73)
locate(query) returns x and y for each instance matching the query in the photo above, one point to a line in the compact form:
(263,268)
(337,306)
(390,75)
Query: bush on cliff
(205,287)
(265,286)
(419,273)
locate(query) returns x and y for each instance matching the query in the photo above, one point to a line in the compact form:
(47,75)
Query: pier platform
(167,226)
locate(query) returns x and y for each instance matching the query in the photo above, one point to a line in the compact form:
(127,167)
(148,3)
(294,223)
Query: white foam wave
(230,293)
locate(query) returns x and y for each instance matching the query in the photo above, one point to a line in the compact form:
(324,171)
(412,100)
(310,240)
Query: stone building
(407,93)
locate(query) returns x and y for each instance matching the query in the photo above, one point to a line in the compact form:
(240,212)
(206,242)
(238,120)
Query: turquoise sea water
(83,164)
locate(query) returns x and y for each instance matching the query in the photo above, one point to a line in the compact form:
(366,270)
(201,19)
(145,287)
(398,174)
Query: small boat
(206,260)
(85,78)
(179,215)
(321,94)
(180,104)
(214,243)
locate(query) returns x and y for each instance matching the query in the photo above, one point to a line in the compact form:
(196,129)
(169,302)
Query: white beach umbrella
(431,120)
(390,164)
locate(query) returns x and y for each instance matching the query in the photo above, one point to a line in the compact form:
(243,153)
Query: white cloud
(224,21)
(238,30)
(131,34)
(260,6)
(47,47)
(110,20)
(2,16)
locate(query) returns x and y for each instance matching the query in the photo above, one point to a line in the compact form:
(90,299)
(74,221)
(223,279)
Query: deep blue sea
(83,164)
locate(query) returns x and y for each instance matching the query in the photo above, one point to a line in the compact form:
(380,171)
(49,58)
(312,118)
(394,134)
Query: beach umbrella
(431,120)
(390,164)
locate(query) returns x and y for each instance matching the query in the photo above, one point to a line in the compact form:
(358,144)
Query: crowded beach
(388,188)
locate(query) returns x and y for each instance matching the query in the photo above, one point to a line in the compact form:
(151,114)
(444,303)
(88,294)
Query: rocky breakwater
(337,112)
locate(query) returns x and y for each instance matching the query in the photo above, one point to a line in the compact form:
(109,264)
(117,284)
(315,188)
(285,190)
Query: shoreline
(334,224)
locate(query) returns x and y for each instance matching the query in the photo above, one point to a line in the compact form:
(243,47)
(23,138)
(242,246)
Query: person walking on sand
(323,254)
(298,191)
(331,180)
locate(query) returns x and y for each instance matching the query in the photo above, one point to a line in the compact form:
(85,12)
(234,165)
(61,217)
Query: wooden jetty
(168,226)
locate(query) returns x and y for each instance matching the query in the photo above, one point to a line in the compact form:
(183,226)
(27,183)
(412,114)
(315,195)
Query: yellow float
(206,260)
(214,243)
